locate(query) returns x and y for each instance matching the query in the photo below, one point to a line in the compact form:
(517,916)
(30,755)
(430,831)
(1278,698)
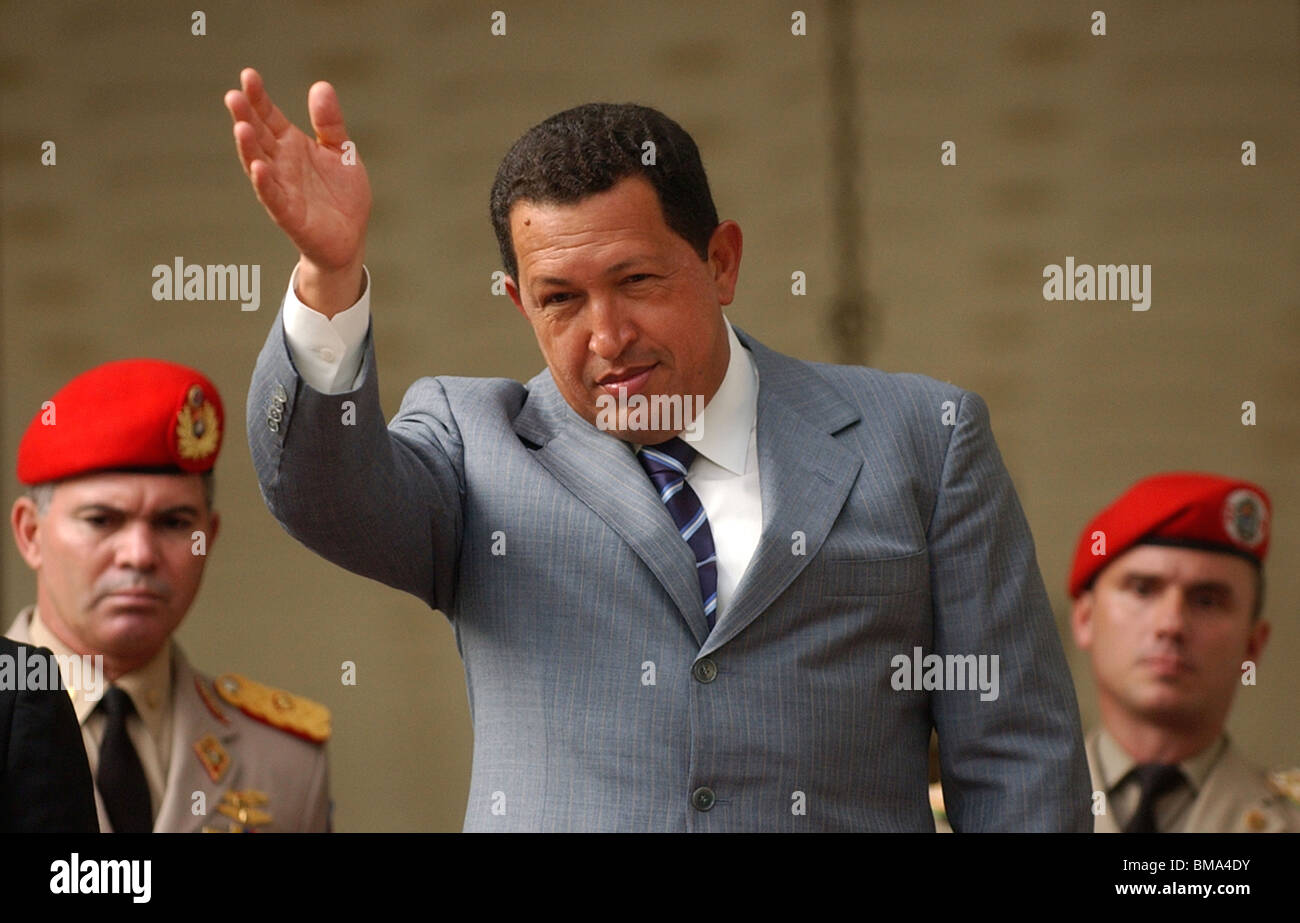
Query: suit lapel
(602,472)
(805,476)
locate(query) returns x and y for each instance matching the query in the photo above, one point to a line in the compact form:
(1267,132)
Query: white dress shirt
(328,353)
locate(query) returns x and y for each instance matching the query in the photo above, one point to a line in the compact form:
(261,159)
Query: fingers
(254,140)
(260,100)
(247,146)
(241,110)
(326,115)
(268,190)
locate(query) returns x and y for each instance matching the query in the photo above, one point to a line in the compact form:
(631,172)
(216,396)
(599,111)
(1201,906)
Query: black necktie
(1155,779)
(121,779)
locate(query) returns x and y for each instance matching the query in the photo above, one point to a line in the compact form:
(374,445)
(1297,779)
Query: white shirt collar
(729,418)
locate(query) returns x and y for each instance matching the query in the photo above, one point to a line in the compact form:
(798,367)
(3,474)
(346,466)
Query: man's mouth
(138,597)
(1166,664)
(630,380)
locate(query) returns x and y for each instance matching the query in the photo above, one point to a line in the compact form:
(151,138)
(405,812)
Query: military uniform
(1215,790)
(253,774)
(1224,793)
(223,755)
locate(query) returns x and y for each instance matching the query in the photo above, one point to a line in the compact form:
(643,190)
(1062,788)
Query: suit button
(272,425)
(702,798)
(276,414)
(278,394)
(705,670)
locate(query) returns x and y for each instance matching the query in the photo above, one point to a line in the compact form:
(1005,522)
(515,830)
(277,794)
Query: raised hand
(314,189)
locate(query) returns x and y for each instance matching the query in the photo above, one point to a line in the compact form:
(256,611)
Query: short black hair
(588,149)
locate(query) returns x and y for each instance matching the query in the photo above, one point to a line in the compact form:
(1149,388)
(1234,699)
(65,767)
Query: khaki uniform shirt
(1223,793)
(210,767)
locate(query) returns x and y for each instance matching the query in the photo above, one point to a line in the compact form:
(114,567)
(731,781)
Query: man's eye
(98,521)
(176,522)
(637,277)
(555,298)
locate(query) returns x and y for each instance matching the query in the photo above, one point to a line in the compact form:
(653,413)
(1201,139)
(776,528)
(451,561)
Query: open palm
(314,189)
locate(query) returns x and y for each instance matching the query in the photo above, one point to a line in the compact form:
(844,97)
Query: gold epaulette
(302,717)
(1286,782)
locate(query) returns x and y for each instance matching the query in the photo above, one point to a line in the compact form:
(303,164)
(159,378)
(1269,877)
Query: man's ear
(214,526)
(1081,620)
(512,289)
(1259,633)
(26,525)
(725,246)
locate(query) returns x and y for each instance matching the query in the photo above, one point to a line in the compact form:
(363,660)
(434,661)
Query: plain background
(1117,149)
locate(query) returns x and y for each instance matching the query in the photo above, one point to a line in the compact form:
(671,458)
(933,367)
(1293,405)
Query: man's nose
(137,547)
(612,329)
(1170,613)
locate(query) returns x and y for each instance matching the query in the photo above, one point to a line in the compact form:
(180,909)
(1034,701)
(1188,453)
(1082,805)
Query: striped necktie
(666,463)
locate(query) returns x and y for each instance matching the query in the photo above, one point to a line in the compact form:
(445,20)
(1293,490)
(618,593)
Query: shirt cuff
(327,351)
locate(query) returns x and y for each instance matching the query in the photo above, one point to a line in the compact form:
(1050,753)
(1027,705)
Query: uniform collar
(1115,764)
(150,687)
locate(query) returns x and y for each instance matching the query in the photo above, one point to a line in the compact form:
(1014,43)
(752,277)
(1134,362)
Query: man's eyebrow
(96,507)
(617,267)
(1209,583)
(109,508)
(180,508)
(1219,586)
(1143,575)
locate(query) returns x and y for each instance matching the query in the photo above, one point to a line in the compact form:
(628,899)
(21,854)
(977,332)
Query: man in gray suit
(748,618)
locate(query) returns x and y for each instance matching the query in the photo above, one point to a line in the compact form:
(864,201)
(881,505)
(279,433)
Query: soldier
(1168,586)
(116,524)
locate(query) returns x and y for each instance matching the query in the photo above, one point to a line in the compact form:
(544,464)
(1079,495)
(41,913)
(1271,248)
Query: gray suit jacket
(599,698)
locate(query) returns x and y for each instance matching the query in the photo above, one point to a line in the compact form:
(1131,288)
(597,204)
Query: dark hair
(588,149)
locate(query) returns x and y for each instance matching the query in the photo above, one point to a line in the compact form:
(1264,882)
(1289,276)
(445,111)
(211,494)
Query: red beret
(135,413)
(1203,511)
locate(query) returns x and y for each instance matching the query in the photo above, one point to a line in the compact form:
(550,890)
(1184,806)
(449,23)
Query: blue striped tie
(666,463)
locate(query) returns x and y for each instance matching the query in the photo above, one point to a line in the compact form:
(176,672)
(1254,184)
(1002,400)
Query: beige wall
(1123,148)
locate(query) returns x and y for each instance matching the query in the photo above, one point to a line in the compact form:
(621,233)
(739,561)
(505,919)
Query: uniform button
(705,670)
(326,353)
(702,798)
